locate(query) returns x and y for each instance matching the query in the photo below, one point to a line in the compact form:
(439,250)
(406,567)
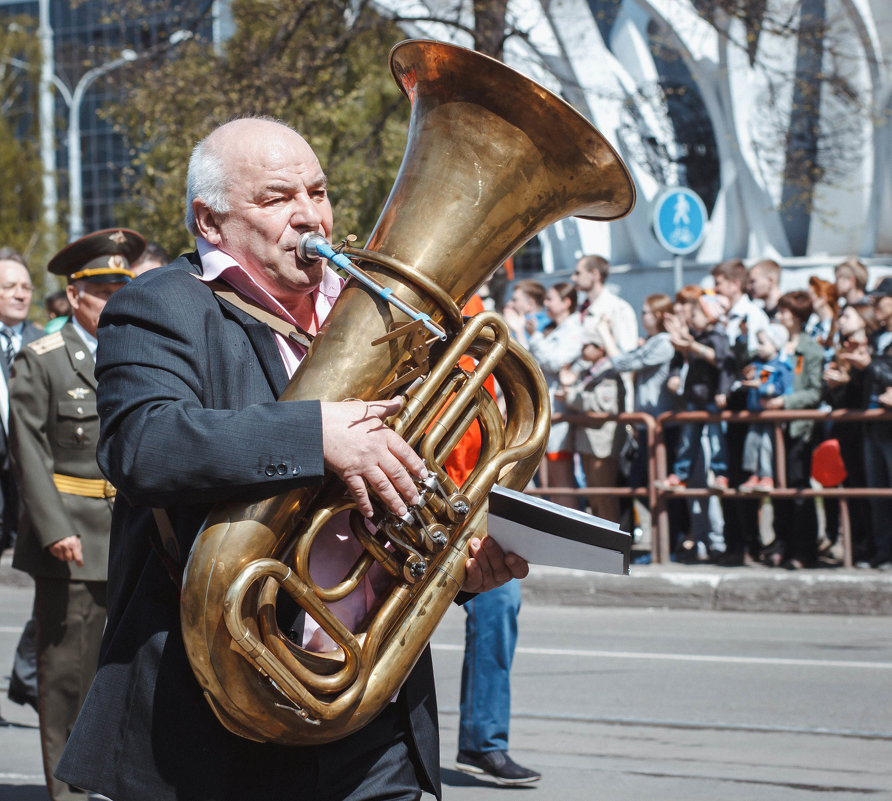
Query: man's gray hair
(205,180)
(11,254)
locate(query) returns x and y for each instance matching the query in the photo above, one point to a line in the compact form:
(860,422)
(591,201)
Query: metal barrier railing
(656,462)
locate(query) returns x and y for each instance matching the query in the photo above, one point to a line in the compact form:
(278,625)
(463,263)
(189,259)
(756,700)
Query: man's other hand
(68,550)
(489,566)
(359,448)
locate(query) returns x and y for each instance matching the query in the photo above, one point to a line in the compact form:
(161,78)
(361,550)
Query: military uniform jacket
(54,428)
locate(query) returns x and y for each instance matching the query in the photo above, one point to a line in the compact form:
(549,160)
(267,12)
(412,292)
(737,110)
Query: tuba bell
(492,158)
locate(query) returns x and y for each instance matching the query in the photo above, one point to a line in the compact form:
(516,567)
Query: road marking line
(688,724)
(741,660)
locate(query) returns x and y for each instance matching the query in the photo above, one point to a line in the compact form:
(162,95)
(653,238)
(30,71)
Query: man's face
(277,193)
(15,292)
(584,279)
(726,287)
(555,305)
(521,302)
(845,281)
(88,299)
(759,284)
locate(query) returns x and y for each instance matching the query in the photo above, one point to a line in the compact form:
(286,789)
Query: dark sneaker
(496,764)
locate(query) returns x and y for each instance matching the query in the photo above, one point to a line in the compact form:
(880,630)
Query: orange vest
(461,462)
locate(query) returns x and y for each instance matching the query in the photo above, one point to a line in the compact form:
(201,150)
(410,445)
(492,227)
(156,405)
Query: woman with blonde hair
(821,326)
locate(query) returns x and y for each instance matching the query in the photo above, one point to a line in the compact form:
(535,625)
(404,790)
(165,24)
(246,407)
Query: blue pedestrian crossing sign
(679,220)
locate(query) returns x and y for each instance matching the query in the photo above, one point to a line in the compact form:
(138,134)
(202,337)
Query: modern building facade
(86,43)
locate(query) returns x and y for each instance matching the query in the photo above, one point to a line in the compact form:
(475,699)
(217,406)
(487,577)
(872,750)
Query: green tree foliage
(21,195)
(318,65)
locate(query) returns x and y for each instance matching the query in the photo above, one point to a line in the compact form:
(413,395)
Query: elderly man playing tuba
(188,382)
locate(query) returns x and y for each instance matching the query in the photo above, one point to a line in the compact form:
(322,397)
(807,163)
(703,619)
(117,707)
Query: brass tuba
(492,158)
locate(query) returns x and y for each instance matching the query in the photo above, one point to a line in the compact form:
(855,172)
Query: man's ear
(73,295)
(206,221)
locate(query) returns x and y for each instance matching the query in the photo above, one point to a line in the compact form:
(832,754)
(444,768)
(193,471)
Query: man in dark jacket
(66,503)
(188,382)
(16,331)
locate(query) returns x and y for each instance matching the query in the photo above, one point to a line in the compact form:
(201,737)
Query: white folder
(546,533)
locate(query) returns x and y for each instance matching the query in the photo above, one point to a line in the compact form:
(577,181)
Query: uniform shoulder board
(46,344)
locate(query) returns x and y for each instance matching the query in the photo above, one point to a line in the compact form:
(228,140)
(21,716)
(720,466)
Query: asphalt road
(634,704)
(638,704)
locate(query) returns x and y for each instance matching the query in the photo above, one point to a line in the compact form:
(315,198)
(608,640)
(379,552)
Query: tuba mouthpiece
(308,247)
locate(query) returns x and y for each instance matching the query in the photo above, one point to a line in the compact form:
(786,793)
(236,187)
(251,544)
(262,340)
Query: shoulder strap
(255,310)
(168,547)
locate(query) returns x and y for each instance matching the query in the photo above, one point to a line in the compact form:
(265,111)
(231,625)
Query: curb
(818,591)
(827,591)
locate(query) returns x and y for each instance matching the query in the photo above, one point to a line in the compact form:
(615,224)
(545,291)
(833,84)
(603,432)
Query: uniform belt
(87,487)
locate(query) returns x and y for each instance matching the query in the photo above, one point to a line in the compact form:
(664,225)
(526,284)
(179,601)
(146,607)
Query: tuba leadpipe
(492,158)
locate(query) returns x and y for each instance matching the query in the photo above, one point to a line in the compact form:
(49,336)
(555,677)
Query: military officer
(66,503)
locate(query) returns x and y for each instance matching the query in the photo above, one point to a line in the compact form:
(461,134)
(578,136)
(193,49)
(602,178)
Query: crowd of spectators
(735,343)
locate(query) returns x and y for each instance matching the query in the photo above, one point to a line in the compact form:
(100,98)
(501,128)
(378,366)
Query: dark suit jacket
(187,399)
(30,332)
(9,503)
(54,427)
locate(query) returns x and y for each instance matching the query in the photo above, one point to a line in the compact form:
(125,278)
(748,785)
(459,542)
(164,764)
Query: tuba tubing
(491,159)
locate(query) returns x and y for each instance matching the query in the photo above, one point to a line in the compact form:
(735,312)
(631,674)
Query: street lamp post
(73,100)
(75,184)
(47,139)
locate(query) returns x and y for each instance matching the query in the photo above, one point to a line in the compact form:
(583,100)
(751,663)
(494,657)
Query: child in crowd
(770,374)
(707,374)
(525,311)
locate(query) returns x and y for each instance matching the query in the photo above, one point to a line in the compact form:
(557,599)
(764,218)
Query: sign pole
(678,269)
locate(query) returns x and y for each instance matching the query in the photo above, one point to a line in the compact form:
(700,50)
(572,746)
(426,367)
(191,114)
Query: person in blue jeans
(490,637)
(485,707)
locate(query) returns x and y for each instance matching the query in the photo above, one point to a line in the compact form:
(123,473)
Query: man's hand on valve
(359,448)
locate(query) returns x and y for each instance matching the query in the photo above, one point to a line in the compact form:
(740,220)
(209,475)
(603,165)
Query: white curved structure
(709,106)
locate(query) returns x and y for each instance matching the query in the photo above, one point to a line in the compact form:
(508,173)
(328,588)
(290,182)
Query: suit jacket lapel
(264,341)
(262,338)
